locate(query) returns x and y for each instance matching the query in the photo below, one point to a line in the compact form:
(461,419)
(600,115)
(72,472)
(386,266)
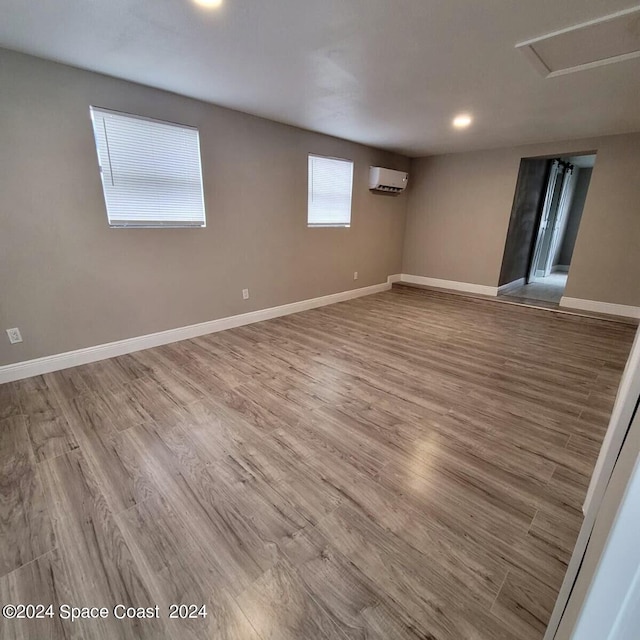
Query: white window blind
(151,173)
(330,183)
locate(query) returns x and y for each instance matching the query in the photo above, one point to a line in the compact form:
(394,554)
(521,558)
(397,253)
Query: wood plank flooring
(407,465)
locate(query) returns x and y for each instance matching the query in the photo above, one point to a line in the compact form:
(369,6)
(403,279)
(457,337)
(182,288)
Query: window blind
(151,172)
(330,183)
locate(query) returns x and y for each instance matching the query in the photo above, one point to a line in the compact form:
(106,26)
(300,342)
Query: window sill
(328,226)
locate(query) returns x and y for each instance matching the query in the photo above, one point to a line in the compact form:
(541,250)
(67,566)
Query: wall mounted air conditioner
(387,180)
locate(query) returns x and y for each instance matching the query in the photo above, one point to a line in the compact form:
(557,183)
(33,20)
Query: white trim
(58,361)
(621,414)
(468,287)
(560,268)
(527,47)
(396,277)
(534,59)
(601,307)
(514,284)
(542,68)
(582,25)
(611,608)
(595,64)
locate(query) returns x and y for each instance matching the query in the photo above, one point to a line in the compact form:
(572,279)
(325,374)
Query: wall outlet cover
(14,335)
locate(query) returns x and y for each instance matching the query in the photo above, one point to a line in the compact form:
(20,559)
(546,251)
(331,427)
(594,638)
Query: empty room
(319,320)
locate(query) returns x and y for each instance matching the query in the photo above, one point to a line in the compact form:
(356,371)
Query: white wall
(68,281)
(460,206)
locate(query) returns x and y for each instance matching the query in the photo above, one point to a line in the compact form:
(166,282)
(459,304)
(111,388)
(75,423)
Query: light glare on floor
(209,4)
(462,121)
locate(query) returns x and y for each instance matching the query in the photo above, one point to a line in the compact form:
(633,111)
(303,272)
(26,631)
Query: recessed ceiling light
(209,4)
(462,121)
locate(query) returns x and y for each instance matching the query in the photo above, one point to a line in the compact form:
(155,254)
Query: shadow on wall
(583,179)
(525,215)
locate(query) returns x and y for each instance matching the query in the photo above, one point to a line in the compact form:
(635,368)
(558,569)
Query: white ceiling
(389,73)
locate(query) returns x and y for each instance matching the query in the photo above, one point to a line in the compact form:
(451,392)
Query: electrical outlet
(245,294)
(355,275)
(14,335)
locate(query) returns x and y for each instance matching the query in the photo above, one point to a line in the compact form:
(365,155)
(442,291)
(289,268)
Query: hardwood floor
(407,465)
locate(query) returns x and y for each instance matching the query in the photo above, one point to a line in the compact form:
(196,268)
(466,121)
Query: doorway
(547,209)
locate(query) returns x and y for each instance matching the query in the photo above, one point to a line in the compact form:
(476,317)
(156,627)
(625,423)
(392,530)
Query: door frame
(562,210)
(611,607)
(544,220)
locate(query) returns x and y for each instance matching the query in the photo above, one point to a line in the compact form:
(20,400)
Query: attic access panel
(606,40)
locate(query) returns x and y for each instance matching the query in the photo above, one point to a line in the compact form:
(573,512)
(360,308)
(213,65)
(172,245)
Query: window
(151,173)
(330,182)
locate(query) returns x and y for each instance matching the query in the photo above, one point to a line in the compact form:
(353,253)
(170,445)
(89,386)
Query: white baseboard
(468,287)
(560,268)
(572,303)
(59,361)
(510,286)
(601,307)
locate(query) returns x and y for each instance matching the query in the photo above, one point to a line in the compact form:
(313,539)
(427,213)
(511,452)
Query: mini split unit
(387,180)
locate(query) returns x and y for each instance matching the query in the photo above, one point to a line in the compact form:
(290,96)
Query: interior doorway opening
(545,217)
